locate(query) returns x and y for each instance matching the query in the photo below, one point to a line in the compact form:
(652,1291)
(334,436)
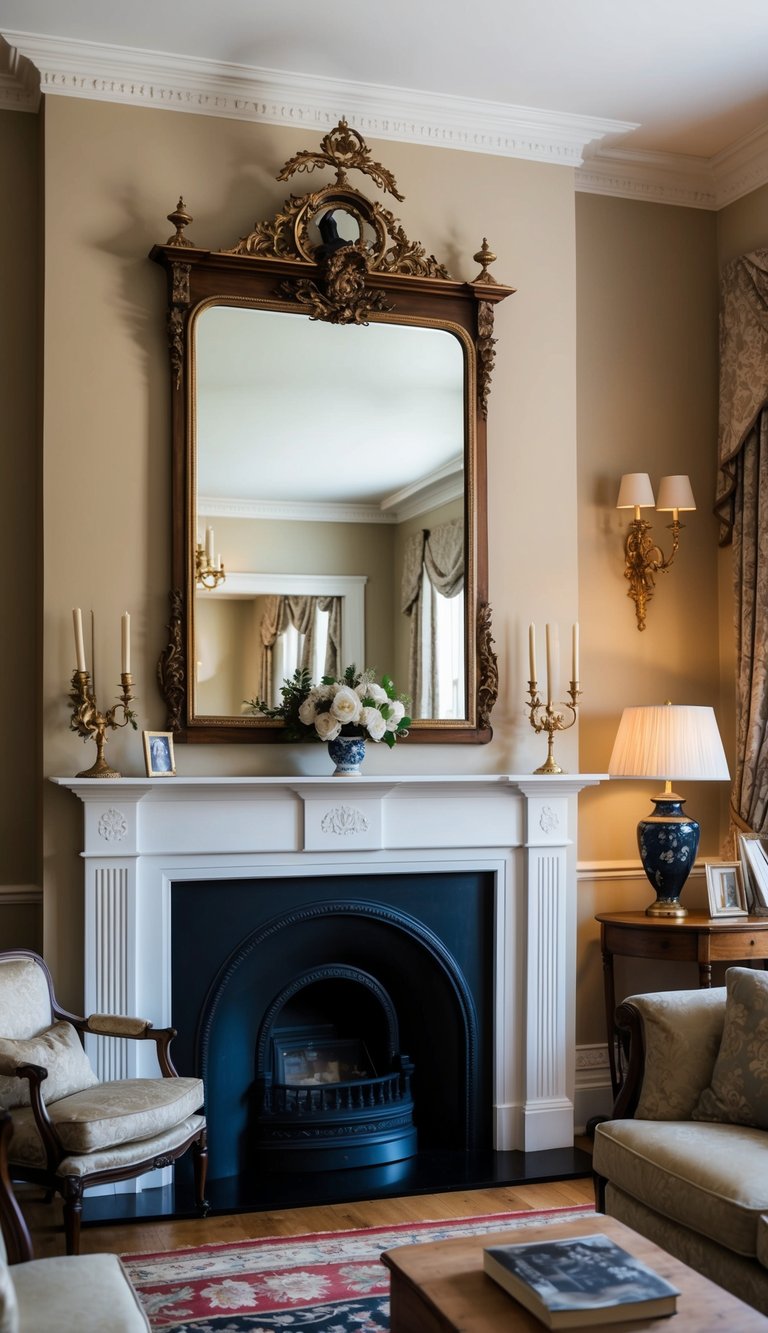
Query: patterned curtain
(742,507)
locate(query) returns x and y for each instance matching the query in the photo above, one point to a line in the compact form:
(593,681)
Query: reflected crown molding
(440,487)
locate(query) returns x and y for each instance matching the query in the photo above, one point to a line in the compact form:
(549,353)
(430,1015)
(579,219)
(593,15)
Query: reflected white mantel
(144,834)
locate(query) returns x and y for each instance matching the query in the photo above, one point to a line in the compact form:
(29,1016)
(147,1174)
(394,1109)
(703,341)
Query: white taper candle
(125,643)
(77,617)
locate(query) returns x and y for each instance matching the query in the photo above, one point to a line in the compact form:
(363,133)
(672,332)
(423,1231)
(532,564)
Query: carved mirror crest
(329,385)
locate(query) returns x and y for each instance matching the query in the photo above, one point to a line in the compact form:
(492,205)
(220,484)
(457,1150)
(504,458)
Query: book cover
(579,1282)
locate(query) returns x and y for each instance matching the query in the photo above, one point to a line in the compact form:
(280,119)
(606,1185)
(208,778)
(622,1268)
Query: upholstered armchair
(80,1293)
(72,1131)
(684,1158)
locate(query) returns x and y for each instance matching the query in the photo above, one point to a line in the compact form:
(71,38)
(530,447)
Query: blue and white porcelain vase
(668,841)
(347,753)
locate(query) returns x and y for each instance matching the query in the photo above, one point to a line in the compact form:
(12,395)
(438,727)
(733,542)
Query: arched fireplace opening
(402,964)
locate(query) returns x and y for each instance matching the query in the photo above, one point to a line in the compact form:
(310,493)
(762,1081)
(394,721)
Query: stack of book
(581,1282)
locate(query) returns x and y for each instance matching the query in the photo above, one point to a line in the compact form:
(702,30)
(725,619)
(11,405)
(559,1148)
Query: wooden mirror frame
(382,276)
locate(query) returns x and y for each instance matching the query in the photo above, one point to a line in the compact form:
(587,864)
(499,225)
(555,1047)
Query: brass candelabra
(88,722)
(547,717)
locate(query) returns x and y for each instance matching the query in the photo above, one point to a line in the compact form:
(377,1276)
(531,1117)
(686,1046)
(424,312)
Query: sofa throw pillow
(738,1093)
(59,1050)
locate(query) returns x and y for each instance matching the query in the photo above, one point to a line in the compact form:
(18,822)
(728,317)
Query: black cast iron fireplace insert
(254,955)
(326,1100)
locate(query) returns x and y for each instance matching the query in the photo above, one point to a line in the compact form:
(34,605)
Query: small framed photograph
(725,889)
(158,754)
(755,864)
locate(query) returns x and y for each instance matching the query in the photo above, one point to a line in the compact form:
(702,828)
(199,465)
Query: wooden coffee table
(441,1287)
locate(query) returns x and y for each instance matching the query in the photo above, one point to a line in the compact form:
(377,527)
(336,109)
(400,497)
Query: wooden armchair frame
(72,1188)
(630,1031)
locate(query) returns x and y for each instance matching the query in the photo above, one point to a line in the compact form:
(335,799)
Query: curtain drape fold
(441,552)
(742,507)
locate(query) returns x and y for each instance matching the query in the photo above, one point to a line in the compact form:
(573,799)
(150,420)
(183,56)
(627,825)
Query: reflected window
(441,692)
(288,653)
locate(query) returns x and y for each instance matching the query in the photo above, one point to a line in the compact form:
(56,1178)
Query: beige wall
(647,349)
(743,226)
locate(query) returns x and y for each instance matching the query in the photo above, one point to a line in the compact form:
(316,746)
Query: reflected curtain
(437,554)
(301,612)
(742,508)
(272,624)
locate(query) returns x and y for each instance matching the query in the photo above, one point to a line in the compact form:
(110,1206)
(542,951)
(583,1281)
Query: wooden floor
(44,1220)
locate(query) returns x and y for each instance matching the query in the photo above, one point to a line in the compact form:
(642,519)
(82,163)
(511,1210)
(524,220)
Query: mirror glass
(328,476)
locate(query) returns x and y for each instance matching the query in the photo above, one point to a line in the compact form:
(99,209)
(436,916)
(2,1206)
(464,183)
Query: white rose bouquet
(354,705)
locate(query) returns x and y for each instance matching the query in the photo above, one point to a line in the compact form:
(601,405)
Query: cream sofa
(69,1294)
(684,1160)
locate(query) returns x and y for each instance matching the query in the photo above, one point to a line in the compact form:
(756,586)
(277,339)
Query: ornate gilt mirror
(329,386)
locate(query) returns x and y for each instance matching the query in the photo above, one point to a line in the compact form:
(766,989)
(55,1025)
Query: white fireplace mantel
(143,835)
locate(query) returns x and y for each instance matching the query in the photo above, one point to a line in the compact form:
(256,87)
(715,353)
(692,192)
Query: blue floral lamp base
(668,841)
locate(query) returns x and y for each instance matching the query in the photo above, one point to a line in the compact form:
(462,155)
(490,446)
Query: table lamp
(668,741)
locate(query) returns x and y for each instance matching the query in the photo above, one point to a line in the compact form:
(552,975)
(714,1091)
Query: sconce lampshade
(668,742)
(635,491)
(675,493)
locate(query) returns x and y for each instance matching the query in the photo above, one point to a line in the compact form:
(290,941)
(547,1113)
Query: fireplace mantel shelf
(145,836)
(559,781)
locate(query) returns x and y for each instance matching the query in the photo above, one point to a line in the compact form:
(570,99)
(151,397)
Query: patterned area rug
(332,1282)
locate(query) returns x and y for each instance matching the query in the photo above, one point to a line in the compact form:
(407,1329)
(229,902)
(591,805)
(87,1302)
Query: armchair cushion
(59,1050)
(77,1294)
(681,1032)
(27,1148)
(712,1179)
(108,1114)
(9,1310)
(738,1091)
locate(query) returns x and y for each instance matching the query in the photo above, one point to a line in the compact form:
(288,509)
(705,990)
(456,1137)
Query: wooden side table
(695,938)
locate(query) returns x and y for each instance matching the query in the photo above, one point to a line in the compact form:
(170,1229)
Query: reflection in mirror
(308,459)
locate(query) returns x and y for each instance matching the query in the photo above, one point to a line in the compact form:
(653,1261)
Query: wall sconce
(209,571)
(643,559)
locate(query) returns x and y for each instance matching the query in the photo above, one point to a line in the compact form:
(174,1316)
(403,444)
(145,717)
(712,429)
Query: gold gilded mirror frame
(291,264)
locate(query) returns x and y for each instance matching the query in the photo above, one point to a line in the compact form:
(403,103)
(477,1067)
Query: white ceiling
(664,98)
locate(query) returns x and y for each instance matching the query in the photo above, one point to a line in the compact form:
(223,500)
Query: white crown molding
(657,178)
(31,64)
(742,167)
(212,88)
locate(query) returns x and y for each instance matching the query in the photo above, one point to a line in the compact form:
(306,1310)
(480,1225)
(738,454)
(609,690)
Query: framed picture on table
(725,889)
(158,754)
(755,863)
